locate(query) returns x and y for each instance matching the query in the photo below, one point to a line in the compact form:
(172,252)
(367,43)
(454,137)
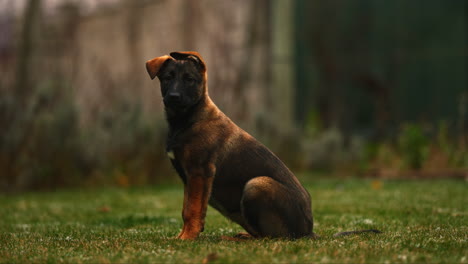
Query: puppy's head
(182,76)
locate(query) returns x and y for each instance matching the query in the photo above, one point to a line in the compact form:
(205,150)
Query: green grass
(422,221)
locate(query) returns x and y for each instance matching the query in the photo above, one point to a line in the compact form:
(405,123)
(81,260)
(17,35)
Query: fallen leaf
(210,257)
(104,209)
(376,185)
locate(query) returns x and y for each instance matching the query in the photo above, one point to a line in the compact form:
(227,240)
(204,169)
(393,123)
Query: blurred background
(358,88)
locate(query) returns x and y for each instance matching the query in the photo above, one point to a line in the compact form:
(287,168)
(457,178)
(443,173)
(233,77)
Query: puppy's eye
(167,77)
(189,79)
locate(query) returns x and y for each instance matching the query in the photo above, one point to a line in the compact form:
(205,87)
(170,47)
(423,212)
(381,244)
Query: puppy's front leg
(197,191)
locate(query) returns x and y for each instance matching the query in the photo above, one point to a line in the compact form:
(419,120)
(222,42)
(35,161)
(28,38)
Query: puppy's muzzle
(173,98)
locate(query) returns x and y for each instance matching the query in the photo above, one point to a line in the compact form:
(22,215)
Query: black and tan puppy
(221,164)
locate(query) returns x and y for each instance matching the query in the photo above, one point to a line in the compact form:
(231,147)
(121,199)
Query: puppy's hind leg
(272,210)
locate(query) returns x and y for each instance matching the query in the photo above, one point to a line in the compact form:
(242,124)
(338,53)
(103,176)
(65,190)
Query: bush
(413,146)
(43,146)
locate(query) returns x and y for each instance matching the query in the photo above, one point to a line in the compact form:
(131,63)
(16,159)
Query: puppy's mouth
(178,105)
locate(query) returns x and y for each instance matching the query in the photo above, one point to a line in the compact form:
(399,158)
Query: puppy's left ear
(190,55)
(154,66)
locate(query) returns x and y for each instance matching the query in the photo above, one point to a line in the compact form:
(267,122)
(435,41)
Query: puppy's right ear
(154,66)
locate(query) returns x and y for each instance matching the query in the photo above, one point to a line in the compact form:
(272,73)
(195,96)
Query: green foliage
(455,151)
(413,146)
(313,124)
(435,152)
(421,222)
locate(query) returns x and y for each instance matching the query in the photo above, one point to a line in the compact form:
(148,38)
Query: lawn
(422,221)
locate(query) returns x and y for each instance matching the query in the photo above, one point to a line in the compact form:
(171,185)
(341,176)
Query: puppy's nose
(174,96)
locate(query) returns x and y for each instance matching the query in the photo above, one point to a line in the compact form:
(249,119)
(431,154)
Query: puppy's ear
(190,55)
(154,66)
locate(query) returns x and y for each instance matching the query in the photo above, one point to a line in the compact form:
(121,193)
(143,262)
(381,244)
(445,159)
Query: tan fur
(153,66)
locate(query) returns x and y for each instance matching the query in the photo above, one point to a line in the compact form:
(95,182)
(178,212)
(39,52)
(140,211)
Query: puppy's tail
(375,231)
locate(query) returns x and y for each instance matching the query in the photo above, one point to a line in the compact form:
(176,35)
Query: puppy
(222,165)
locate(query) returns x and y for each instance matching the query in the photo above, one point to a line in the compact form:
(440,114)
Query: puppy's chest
(170,154)
(174,147)
(175,150)
(180,146)
(175,161)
